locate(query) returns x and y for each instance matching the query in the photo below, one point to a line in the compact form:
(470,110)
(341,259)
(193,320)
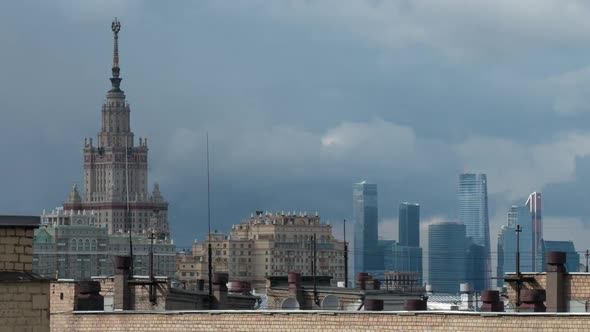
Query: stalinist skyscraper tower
(116,169)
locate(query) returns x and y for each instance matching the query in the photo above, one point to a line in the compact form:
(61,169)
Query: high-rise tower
(533,203)
(446,256)
(473,213)
(409,224)
(366,256)
(115,169)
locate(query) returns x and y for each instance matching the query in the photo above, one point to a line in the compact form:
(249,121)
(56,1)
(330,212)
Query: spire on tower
(115,80)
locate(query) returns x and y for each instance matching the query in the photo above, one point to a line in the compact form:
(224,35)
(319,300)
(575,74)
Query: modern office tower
(266,245)
(520,215)
(533,203)
(506,250)
(572,263)
(475,267)
(473,213)
(403,259)
(500,266)
(409,224)
(365,214)
(446,256)
(405,256)
(517,215)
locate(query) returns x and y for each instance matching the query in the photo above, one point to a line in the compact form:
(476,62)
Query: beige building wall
(24,298)
(306,321)
(268,245)
(16,249)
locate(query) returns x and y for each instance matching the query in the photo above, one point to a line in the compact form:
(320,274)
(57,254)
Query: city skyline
(189,88)
(311,165)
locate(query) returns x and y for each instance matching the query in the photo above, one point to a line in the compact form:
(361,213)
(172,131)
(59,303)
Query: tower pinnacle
(115,80)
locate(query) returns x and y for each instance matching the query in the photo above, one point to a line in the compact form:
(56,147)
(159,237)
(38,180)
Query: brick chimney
(122,294)
(555,287)
(491,301)
(88,296)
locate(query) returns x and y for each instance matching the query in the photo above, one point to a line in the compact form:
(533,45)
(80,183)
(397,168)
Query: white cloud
(377,141)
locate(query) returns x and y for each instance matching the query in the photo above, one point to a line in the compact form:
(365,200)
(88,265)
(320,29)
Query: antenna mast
(128,213)
(210,252)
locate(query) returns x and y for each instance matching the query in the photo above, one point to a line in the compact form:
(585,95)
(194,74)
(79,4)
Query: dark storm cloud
(301,99)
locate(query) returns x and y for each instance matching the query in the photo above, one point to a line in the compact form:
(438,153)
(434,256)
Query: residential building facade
(268,244)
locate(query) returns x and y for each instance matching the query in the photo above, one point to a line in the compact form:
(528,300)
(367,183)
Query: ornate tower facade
(115,169)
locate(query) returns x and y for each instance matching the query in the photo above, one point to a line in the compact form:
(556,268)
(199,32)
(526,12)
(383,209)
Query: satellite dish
(290,303)
(331,302)
(354,306)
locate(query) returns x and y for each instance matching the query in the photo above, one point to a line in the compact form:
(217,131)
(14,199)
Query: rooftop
(20,221)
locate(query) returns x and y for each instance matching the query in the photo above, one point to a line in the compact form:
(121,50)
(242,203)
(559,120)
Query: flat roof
(20,221)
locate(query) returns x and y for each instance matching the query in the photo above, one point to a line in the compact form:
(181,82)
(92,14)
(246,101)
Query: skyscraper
(473,213)
(409,224)
(114,213)
(116,169)
(365,214)
(446,256)
(520,216)
(517,216)
(533,203)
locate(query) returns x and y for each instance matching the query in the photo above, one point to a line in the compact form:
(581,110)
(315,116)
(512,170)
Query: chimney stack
(555,287)
(88,296)
(491,301)
(532,300)
(219,282)
(122,296)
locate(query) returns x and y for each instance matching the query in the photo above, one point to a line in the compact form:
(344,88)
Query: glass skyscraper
(447,250)
(517,215)
(409,224)
(473,213)
(365,214)
(533,203)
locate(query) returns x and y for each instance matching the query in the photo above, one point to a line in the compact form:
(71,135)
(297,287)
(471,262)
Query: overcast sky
(303,98)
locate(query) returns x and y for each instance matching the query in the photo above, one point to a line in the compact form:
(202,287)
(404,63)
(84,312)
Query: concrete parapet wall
(316,321)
